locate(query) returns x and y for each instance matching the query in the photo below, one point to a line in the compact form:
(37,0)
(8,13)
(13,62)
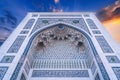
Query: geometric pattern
(24,32)
(3,70)
(22,77)
(97,77)
(93,68)
(117,72)
(103,44)
(29,24)
(7,59)
(16,44)
(113,59)
(34,15)
(60,73)
(86,15)
(100,64)
(96,32)
(79,22)
(27,67)
(91,24)
(61,63)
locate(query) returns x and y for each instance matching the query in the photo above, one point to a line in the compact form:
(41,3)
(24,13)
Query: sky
(13,11)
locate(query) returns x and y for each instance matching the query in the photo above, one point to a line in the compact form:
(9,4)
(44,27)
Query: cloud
(43,7)
(109,12)
(117,12)
(7,23)
(110,17)
(56,1)
(10,17)
(113,26)
(3,34)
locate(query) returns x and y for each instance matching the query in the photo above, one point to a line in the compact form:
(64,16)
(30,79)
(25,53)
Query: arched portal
(60,47)
(60,50)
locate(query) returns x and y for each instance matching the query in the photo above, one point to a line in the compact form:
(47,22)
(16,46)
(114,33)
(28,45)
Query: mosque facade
(60,46)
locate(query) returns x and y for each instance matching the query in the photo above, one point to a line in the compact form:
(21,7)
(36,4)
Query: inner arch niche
(60,47)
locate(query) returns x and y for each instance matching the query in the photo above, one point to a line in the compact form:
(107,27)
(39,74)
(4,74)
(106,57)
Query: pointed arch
(89,38)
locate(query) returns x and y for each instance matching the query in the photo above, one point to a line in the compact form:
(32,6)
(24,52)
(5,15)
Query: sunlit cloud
(109,12)
(56,1)
(110,17)
(113,26)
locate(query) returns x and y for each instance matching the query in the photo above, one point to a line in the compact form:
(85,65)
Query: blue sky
(19,8)
(13,11)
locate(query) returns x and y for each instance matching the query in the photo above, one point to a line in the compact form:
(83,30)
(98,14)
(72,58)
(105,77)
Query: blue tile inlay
(80,24)
(96,32)
(117,72)
(86,15)
(3,70)
(104,45)
(91,24)
(35,15)
(49,15)
(113,59)
(16,44)
(7,59)
(27,68)
(29,24)
(97,77)
(93,68)
(99,62)
(24,32)
(60,73)
(22,77)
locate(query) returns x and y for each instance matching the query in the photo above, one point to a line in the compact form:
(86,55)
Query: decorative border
(29,24)
(97,77)
(2,72)
(93,68)
(113,59)
(60,73)
(96,32)
(22,77)
(106,48)
(81,23)
(7,59)
(65,15)
(27,67)
(22,59)
(16,44)
(117,72)
(24,32)
(91,24)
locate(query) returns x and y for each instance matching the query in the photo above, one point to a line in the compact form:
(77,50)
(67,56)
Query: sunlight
(113,27)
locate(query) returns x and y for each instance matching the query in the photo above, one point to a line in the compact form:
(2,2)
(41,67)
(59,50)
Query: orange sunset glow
(113,27)
(110,17)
